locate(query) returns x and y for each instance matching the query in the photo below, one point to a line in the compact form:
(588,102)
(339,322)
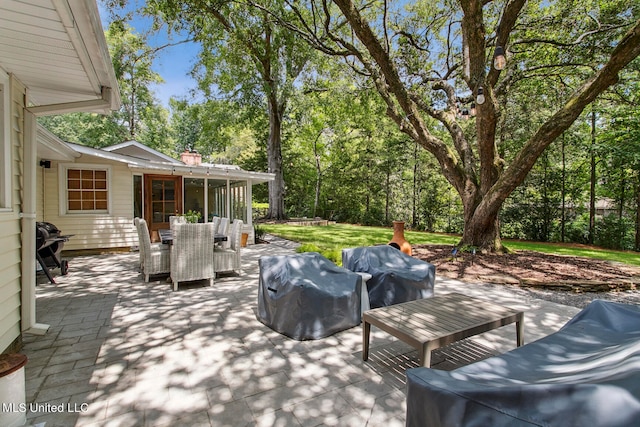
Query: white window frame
(5,143)
(63,188)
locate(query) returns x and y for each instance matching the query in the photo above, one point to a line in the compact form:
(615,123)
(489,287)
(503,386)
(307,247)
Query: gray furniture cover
(306,296)
(396,277)
(586,374)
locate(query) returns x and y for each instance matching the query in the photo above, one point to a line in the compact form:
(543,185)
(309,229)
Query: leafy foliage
(350,151)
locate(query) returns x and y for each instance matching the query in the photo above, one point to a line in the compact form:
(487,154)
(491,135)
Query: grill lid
(45,234)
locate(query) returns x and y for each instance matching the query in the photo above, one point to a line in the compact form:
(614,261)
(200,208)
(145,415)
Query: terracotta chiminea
(398,240)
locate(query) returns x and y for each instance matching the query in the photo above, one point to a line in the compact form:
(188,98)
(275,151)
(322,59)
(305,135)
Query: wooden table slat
(433,322)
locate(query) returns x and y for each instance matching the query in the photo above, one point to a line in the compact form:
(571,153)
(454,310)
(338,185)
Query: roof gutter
(81,20)
(101,105)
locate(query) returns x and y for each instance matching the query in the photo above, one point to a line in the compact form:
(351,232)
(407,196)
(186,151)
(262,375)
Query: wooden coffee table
(430,323)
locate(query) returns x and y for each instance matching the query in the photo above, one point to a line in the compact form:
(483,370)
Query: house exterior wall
(114,229)
(10,246)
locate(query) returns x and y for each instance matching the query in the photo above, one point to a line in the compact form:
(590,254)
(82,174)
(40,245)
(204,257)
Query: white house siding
(92,231)
(10,248)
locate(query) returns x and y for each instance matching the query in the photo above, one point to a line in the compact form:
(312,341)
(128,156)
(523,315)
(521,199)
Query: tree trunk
(316,200)
(546,209)
(274,161)
(592,180)
(637,248)
(414,204)
(387,200)
(482,231)
(132,116)
(564,192)
(623,185)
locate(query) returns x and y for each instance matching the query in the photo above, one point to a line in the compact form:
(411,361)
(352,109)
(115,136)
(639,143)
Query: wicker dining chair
(223,226)
(154,257)
(176,219)
(229,259)
(136,223)
(216,222)
(192,253)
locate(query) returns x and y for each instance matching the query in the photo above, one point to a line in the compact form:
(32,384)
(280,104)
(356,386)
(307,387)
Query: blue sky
(173,64)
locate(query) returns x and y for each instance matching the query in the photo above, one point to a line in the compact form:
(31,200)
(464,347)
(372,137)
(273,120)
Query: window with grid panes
(87,190)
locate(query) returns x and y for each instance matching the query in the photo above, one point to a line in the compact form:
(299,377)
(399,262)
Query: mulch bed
(532,269)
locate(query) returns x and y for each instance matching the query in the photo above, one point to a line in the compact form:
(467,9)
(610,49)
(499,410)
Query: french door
(163,198)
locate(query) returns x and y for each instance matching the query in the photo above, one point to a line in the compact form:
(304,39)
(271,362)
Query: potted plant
(193,216)
(259,233)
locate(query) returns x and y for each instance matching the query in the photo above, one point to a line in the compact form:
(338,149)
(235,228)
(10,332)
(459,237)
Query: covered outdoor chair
(586,374)
(155,258)
(307,297)
(229,259)
(192,253)
(395,276)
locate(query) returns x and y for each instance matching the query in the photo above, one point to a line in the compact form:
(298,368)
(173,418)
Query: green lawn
(331,239)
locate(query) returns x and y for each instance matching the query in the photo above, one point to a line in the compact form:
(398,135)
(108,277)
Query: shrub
(259,233)
(334,255)
(307,247)
(613,232)
(193,216)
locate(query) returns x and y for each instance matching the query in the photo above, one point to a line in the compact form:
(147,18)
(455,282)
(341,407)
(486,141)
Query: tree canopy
(374,111)
(428,59)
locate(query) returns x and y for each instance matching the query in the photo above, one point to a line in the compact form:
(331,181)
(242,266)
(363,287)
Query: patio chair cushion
(306,296)
(586,374)
(396,277)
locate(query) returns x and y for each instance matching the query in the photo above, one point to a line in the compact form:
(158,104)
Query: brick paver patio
(121,352)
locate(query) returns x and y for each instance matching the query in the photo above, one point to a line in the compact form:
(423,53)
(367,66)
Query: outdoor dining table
(166,236)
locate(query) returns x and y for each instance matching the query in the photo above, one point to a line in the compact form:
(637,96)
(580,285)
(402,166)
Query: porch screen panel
(239,200)
(194,196)
(216,198)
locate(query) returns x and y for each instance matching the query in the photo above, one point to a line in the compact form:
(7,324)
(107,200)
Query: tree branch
(626,51)
(449,164)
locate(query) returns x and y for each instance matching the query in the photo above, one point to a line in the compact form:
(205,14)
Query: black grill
(49,243)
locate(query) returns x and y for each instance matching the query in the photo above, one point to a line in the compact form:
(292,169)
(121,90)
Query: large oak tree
(430,60)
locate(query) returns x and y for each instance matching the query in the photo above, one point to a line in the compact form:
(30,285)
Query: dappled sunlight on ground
(535,269)
(140,354)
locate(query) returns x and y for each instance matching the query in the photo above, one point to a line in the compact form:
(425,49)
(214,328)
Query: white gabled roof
(136,149)
(57,49)
(50,147)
